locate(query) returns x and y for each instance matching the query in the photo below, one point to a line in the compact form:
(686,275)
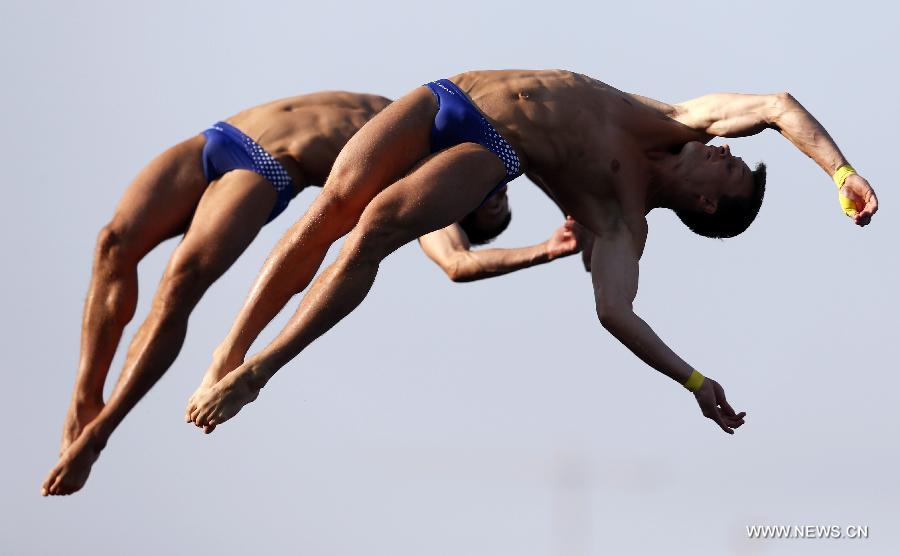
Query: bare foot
(223,400)
(79,416)
(194,402)
(74,465)
(220,367)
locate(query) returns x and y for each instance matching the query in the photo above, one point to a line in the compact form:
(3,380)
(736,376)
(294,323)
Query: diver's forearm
(487,263)
(638,337)
(802,129)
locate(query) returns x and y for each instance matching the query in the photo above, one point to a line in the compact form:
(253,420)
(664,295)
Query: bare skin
(450,249)
(605,156)
(168,198)
(305,134)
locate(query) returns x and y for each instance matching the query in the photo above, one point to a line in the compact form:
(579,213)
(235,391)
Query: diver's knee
(374,238)
(113,251)
(185,281)
(338,213)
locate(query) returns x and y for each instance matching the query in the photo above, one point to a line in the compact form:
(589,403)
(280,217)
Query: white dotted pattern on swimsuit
(501,147)
(267,167)
(273,171)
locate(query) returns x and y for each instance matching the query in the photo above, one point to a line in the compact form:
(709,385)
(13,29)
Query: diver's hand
(711,399)
(863,203)
(563,242)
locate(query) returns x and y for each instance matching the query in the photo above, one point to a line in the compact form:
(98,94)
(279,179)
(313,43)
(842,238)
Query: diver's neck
(666,185)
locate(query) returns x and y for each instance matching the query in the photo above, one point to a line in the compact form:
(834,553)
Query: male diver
(218,189)
(605,156)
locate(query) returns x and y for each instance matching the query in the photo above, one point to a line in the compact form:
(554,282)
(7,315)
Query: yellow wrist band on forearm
(839,177)
(694,382)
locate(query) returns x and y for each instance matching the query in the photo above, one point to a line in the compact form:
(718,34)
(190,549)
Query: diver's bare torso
(306,133)
(586,143)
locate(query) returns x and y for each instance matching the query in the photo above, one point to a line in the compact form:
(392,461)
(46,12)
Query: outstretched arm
(614,271)
(449,247)
(739,115)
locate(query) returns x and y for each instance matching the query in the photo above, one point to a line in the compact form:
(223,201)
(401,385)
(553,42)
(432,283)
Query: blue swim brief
(459,121)
(227,149)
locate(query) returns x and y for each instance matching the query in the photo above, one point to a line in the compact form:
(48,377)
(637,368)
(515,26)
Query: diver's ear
(707,205)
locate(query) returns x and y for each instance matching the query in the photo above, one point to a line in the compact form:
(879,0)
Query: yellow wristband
(839,177)
(694,382)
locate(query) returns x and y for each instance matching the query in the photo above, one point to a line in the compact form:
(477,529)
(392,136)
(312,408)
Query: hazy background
(495,418)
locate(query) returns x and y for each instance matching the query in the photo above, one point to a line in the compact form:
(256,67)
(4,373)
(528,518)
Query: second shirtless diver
(218,189)
(605,156)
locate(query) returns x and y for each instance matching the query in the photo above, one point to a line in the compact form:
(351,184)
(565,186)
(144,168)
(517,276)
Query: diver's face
(494,211)
(715,172)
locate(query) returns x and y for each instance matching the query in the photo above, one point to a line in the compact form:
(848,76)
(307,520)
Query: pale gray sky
(482,419)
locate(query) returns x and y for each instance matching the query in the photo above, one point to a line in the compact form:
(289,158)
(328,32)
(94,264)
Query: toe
(51,481)
(54,487)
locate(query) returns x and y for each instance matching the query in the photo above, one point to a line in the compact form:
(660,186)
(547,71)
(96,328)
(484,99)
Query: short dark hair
(478,234)
(733,214)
